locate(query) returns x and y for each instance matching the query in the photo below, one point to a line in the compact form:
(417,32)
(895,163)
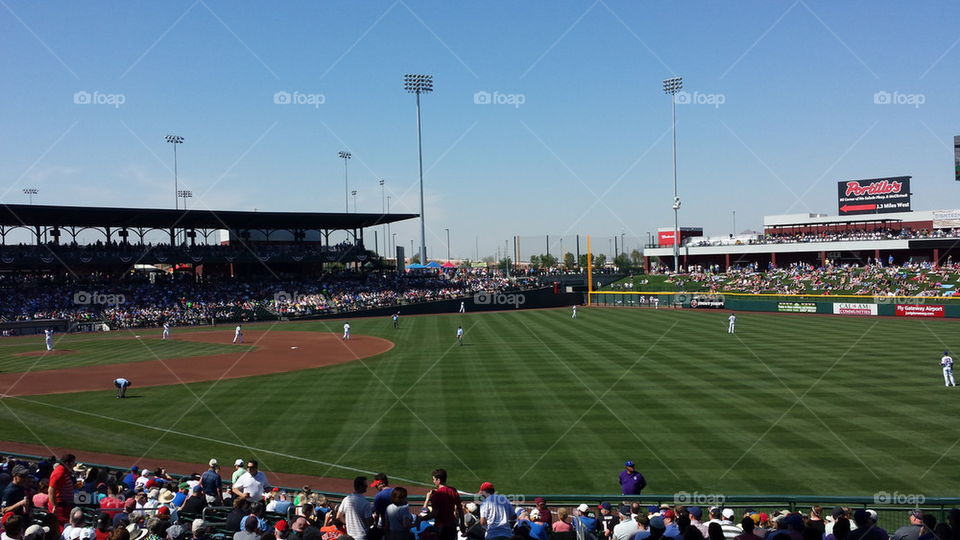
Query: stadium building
(869,227)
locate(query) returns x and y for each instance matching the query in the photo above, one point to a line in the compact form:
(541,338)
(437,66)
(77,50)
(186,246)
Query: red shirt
(61,480)
(111,505)
(445,501)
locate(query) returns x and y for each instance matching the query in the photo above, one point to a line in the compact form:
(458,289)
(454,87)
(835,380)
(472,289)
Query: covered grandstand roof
(160,218)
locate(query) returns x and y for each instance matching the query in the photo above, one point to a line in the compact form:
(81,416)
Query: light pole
(734,222)
(389,233)
(30,192)
(175,140)
(671,86)
(346,199)
(383,209)
(448,243)
(354,193)
(420,84)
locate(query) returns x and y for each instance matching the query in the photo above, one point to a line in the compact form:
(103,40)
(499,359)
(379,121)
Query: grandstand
(815,238)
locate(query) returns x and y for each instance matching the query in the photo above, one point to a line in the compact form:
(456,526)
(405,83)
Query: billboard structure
(956,156)
(874,195)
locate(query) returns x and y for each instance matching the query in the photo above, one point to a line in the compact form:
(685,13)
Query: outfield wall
(547,297)
(866,306)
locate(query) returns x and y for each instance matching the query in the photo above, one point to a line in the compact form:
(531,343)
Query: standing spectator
(631,481)
(447,508)
(212,484)
(607,520)
(252,484)
(730,530)
(60,491)
(15,497)
(496,513)
(696,513)
(538,528)
(563,522)
(908,532)
(627,526)
(748,525)
(239,472)
(382,499)
(356,511)
(544,510)
(398,517)
(585,523)
(195,503)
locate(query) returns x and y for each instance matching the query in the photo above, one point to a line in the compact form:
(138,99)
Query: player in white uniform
(656,302)
(166,330)
(396,320)
(48,338)
(463,307)
(460,335)
(947,364)
(733,323)
(574,312)
(346,331)
(238,335)
(122,385)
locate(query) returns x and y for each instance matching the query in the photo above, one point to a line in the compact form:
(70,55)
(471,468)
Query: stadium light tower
(383,209)
(30,192)
(346,189)
(671,86)
(420,84)
(184,194)
(390,234)
(448,243)
(175,140)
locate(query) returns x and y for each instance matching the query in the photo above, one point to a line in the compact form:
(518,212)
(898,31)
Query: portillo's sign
(874,196)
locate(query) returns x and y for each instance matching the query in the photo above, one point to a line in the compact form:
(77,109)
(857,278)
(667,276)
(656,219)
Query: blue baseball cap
(628,464)
(656,522)
(695,511)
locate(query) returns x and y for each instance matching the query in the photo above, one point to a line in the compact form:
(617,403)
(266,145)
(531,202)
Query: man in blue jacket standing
(631,481)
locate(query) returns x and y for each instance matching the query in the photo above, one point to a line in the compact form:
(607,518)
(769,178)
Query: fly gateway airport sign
(874,196)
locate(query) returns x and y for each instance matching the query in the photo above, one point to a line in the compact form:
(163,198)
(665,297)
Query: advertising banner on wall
(874,196)
(797,307)
(913,310)
(854,309)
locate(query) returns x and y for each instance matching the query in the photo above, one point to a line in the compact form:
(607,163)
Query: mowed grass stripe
(699,399)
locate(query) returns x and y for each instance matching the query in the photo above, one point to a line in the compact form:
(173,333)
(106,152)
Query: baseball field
(534,401)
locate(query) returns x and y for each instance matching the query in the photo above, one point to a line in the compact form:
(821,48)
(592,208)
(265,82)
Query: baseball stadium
(301,370)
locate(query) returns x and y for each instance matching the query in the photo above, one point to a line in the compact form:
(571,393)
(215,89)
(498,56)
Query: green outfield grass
(537,402)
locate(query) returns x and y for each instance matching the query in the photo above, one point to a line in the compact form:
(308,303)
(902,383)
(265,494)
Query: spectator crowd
(64,500)
(183,300)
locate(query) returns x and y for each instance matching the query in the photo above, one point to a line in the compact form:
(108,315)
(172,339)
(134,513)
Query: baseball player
(48,338)
(731,328)
(947,364)
(122,385)
(166,330)
(460,335)
(396,320)
(574,311)
(238,335)
(656,302)
(463,307)
(346,331)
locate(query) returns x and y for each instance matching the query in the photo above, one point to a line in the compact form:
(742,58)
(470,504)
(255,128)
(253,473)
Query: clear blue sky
(588,150)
